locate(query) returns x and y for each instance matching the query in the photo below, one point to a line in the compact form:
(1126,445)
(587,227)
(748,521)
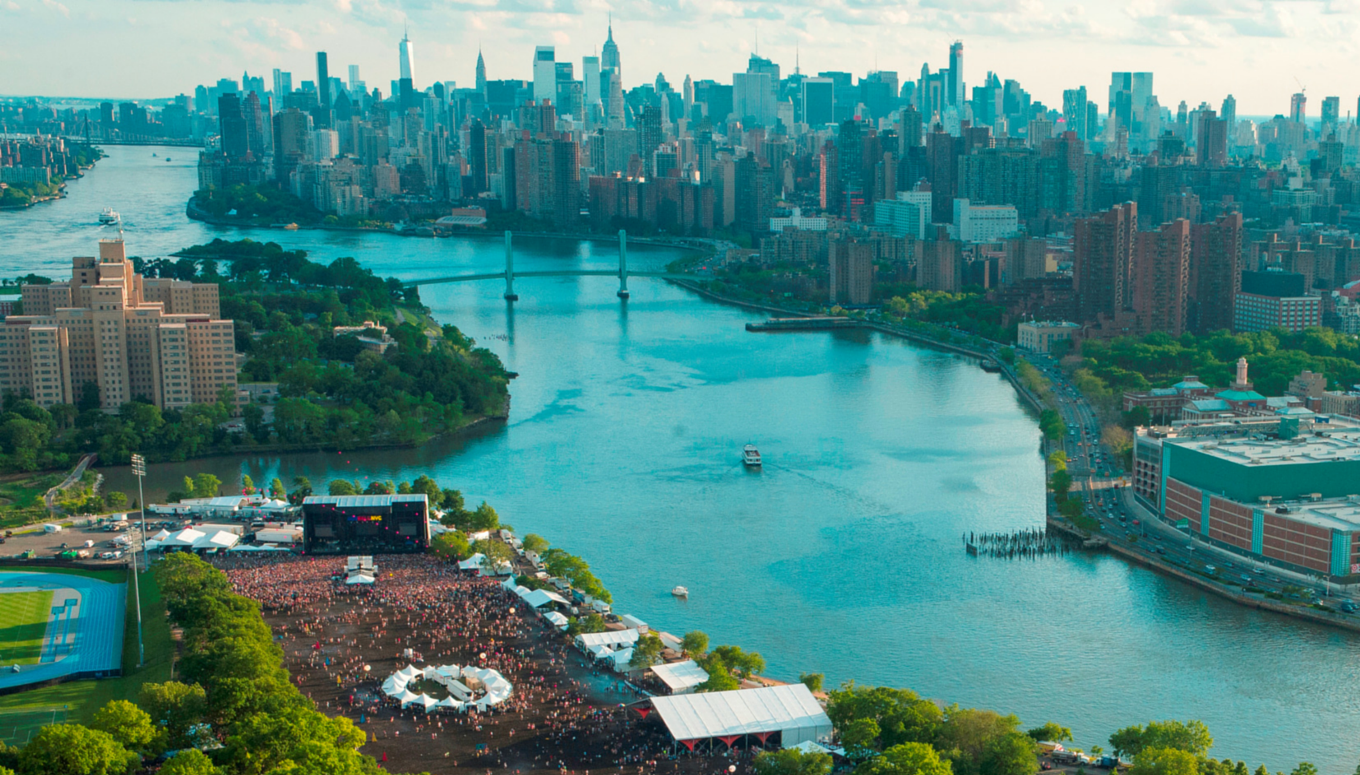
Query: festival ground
(563,716)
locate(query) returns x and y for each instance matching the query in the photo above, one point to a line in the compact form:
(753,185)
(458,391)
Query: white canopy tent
(558,620)
(610,638)
(681,677)
(789,710)
(541,597)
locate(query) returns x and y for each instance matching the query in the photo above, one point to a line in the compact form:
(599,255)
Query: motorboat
(750,456)
(680,592)
(109,216)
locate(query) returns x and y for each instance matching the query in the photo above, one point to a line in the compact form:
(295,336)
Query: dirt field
(563,716)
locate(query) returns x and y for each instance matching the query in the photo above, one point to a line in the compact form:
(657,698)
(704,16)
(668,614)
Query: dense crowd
(341,641)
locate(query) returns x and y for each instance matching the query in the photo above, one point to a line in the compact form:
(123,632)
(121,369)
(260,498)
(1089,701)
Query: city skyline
(1198,49)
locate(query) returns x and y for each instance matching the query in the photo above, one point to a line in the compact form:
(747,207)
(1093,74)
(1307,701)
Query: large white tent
(789,710)
(611,638)
(541,597)
(680,677)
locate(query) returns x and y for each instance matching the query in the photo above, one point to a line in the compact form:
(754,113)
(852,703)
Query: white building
(798,221)
(1040,335)
(908,214)
(545,74)
(983,223)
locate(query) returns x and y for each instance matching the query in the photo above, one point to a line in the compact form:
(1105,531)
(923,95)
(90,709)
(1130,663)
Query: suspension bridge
(510,274)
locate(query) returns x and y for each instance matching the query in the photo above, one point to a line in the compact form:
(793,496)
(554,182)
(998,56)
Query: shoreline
(193,212)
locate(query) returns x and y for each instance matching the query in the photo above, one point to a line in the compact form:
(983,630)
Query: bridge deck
(547,273)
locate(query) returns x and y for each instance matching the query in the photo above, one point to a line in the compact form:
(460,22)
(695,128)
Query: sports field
(23,624)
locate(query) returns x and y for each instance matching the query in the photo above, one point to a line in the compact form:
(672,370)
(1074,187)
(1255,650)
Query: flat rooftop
(1332,445)
(1332,514)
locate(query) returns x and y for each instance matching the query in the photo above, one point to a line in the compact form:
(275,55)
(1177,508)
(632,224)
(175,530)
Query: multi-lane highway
(1101,481)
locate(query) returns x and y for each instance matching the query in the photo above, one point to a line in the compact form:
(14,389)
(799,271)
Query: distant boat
(167,158)
(153,154)
(680,592)
(291,227)
(109,216)
(750,456)
(991,365)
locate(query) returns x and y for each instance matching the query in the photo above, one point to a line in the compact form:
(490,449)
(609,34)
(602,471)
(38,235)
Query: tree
(901,714)
(859,738)
(694,643)
(450,545)
(452,502)
(791,761)
(342,487)
(1304,768)
(247,484)
(813,681)
(127,724)
(190,761)
(745,663)
(495,555)
(647,651)
(483,518)
(1189,736)
(906,759)
(1011,754)
(206,485)
(253,416)
(176,707)
(1164,761)
(1050,732)
(534,543)
(967,733)
(424,485)
(276,489)
(585,624)
(116,500)
(70,749)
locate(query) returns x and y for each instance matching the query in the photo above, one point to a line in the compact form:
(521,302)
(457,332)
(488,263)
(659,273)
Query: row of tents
(469,688)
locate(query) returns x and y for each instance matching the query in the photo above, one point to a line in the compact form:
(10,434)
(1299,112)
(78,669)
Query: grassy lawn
(23,623)
(21,498)
(23,713)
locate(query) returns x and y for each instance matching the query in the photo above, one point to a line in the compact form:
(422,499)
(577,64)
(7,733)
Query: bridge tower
(623,264)
(510,294)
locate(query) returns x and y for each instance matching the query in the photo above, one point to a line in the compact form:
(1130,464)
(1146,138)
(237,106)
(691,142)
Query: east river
(844,555)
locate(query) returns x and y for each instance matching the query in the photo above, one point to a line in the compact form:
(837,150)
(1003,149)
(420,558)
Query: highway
(1099,478)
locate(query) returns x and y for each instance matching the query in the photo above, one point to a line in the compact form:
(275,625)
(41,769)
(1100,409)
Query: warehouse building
(1284,489)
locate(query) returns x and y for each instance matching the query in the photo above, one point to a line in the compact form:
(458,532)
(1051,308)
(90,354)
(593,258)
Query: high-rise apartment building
(134,338)
(1215,276)
(852,272)
(1162,277)
(954,82)
(1102,258)
(1298,107)
(283,84)
(1074,111)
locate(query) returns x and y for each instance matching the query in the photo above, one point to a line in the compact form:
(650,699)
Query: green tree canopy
(126,723)
(694,642)
(71,749)
(189,762)
(1164,761)
(791,761)
(906,759)
(901,714)
(176,707)
(647,651)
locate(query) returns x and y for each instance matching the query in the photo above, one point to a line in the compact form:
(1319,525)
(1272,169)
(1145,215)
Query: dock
(804,324)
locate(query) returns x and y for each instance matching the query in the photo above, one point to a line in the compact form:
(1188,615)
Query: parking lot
(103,542)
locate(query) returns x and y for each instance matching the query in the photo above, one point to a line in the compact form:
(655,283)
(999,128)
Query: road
(50,497)
(1099,478)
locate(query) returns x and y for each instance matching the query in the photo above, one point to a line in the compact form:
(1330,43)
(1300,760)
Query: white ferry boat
(680,592)
(750,456)
(109,216)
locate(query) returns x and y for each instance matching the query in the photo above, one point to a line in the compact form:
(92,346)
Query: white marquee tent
(789,710)
(541,597)
(609,638)
(681,677)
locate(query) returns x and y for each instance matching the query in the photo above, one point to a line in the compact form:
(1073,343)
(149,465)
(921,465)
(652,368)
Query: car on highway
(1348,607)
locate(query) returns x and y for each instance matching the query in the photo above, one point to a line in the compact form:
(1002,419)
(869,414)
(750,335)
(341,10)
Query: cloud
(9,5)
(58,7)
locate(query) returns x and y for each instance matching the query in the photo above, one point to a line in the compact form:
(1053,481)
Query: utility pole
(139,470)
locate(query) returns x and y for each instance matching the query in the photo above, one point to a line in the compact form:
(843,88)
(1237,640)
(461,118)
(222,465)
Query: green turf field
(23,624)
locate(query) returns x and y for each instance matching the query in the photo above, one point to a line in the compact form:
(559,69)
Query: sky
(1261,51)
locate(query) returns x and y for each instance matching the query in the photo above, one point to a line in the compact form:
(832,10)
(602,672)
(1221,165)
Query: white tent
(393,686)
(161,536)
(184,539)
(681,677)
(359,578)
(541,597)
(807,746)
(410,671)
(406,697)
(472,563)
(220,539)
(790,710)
(623,659)
(558,620)
(425,702)
(607,638)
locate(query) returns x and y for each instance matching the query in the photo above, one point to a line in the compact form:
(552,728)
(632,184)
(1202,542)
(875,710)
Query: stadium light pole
(139,469)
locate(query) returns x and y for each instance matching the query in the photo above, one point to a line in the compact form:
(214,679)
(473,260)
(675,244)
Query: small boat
(291,227)
(109,216)
(680,592)
(167,158)
(750,456)
(991,366)
(153,154)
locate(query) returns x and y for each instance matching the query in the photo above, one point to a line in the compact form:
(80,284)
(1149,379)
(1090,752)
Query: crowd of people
(341,641)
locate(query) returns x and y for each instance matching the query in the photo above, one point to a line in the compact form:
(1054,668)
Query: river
(844,555)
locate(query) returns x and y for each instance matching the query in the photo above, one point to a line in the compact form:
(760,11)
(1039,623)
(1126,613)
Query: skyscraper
(616,100)
(1331,113)
(649,136)
(1298,107)
(405,50)
(232,126)
(481,74)
(1074,112)
(609,54)
(283,84)
(955,83)
(590,76)
(819,101)
(355,83)
(323,89)
(545,73)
